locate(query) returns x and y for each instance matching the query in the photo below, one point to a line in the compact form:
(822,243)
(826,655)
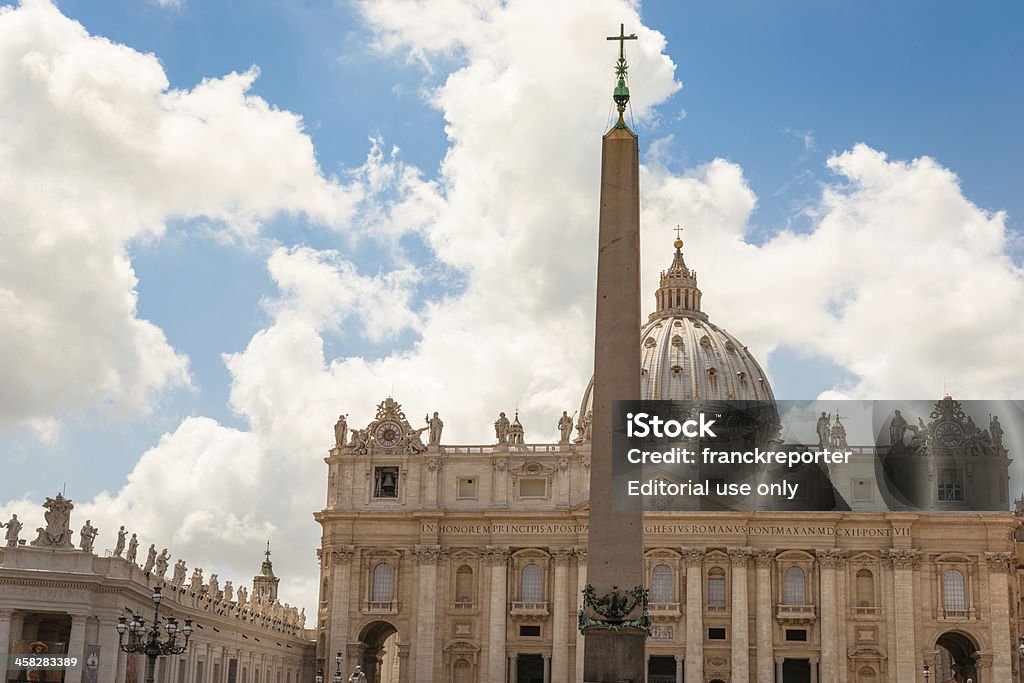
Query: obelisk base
(619,657)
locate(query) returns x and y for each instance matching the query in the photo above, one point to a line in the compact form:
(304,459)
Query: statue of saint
(436,425)
(150,558)
(196,583)
(515,432)
(340,431)
(119,548)
(501,426)
(214,588)
(996,430)
(179,574)
(57,533)
(583,428)
(229,592)
(87,535)
(897,428)
(565,427)
(13,529)
(243,595)
(133,549)
(824,429)
(161,563)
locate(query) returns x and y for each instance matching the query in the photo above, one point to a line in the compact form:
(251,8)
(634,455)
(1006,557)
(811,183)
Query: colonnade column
(341,585)
(76,647)
(109,650)
(5,630)
(829,559)
(498,612)
(764,557)
(694,615)
(904,561)
(560,602)
(581,580)
(428,557)
(740,621)
(999,602)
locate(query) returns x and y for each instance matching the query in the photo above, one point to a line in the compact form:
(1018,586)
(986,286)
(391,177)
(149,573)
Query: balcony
(795,614)
(865,611)
(957,614)
(716,609)
(529,610)
(663,610)
(381,606)
(462,607)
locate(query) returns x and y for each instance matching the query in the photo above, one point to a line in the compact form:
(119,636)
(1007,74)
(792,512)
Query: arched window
(383,583)
(661,584)
(531,585)
(865,589)
(716,587)
(464,584)
(794,587)
(953,590)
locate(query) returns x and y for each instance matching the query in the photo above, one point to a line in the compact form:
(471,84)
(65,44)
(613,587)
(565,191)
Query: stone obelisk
(615,541)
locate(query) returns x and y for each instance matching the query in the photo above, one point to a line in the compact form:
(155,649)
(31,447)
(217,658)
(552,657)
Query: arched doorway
(378,652)
(958,651)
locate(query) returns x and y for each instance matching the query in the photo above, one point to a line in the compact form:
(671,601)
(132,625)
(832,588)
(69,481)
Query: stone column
(513,673)
(5,631)
(560,606)
(403,666)
(740,621)
(498,612)
(814,671)
(76,647)
(547,667)
(694,615)
(779,661)
(341,587)
(764,557)
(428,557)
(829,559)
(999,602)
(108,648)
(679,669)
(581,580)
(904,561)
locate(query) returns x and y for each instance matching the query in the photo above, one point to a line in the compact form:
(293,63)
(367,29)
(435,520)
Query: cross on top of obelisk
(622,38)
(621,94)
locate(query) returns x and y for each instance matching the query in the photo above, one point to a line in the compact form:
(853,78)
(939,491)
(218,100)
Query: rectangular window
(716,634)
(796,634)
(716,592)
(533,488)
(950,486)
(467,488)
(863,491)
(385,482)
(232,671)
(529,631)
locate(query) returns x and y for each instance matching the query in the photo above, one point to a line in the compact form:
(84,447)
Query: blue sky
(757,154)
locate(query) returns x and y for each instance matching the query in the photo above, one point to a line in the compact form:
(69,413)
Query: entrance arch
(377,640)
(960,652)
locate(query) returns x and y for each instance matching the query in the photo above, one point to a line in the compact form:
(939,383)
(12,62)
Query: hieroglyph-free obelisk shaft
(615,542)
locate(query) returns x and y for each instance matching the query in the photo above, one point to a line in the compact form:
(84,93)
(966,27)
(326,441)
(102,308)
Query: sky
(222,224)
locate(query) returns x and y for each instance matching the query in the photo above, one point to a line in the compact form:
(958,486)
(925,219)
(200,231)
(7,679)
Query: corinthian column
(904,561)
(340,558)
(76,646)
(428,557)
(560,605)
(999,603)
(497,558)
(765,652)
(694,666)
(830,559)
(740,621)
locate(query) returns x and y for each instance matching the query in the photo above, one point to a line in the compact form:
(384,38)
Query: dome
(686,357)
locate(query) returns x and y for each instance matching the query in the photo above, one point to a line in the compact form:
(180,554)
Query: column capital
(430,554)
(545,655)
(902,558)
(680,658)
(694,556)
(831,558)
(580,551)
(999,562)
(343,553)
(496,556)
(763,557)
(739,557)
(560,556)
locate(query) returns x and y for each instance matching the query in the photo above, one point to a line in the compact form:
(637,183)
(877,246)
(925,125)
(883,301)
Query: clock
(388,433)
(949,434)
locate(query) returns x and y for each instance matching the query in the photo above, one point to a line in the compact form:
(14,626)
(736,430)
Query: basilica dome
(686,357)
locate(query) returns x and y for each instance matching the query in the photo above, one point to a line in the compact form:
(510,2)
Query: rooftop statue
(13,529)
(87,536)
(119,548)
(133,549)
(57,533)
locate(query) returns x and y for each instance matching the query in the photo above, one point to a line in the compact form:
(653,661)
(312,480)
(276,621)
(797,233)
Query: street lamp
(337,672)
(320,676)
(1020,646)
(149,643)
(927,673)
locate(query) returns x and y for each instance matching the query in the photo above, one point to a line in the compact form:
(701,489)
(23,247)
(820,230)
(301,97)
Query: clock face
(949,434)
(388,434)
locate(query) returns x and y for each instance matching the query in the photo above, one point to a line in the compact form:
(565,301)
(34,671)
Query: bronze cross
(679,230)
(622,38)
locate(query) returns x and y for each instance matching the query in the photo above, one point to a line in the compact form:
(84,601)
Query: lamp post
(149,644)
(320,676)
(927,673)
(337,671)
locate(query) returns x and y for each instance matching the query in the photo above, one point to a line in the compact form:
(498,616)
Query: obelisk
(615,540)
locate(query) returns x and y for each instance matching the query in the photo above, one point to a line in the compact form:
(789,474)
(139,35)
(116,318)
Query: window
(661,584)
(865,589)
(462,672)
(716,588)
(862,490)
(383,583)
(953,590)
(533,488)
(467,488)
(529,631)
(796,634)
(716,634)
(464,585)
(794,588)
(385,482)
(531,587)
(950,486)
